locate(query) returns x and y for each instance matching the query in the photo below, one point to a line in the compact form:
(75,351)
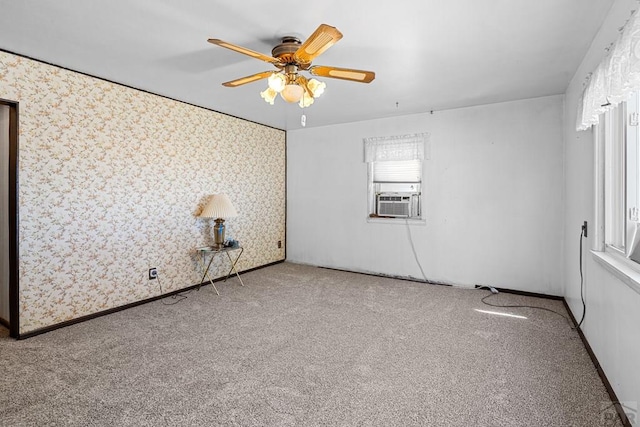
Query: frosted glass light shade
(292,93)
(277,82)
(219,207)
(305,100)
(269,95)
(316,87)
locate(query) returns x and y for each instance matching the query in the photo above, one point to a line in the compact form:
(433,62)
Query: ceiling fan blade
(248,79)
(245,51)
(361,76)
(322,39)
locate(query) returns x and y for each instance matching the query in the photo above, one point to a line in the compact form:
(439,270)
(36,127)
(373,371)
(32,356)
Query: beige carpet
(300,345)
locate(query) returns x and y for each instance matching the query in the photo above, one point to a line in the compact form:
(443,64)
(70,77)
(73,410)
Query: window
(617,135)
(395,170)
(610,102)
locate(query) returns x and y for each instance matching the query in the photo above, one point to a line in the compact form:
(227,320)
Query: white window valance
(615,77)
(394,148)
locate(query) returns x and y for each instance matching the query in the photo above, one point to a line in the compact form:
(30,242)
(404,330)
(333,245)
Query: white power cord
(413,248)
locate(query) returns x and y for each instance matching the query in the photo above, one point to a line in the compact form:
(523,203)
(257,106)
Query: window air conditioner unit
(402,205)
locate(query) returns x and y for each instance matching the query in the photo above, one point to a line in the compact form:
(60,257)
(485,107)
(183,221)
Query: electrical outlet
(584,229)
(153,273)
(279,243)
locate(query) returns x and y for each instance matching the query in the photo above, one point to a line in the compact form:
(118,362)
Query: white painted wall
(493,198)
(4,213)
(612,322)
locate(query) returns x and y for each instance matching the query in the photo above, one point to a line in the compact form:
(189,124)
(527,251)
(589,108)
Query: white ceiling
(427,54)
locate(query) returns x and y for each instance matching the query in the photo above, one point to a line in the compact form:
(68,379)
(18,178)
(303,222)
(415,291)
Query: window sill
(400,221)
(621,267)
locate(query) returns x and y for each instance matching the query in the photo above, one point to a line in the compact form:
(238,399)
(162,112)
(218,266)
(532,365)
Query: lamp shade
(219,206)
(277,82)
(269,95)
(316,87)
(292,93)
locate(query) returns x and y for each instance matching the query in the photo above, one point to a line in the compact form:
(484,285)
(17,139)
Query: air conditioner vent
(404,205)
(393,198)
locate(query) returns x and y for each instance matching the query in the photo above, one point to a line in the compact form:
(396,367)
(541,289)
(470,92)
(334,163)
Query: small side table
(212,252)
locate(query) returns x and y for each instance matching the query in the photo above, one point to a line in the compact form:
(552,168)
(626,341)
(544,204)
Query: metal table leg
(233,266)
(206,270)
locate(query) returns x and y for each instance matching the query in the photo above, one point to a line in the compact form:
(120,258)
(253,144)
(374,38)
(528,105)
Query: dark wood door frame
(14,289)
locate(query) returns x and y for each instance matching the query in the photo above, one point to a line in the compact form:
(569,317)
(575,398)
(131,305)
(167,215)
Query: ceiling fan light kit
(292,56)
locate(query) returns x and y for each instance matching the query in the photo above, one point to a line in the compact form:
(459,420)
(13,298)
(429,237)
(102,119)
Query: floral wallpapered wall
(111,180)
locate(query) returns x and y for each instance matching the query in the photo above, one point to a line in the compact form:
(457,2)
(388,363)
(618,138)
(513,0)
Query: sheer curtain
(615,78)
(387,148)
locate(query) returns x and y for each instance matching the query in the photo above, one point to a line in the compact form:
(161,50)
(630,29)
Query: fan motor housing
(285,50)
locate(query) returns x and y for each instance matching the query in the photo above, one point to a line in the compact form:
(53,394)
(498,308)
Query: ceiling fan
(292,56)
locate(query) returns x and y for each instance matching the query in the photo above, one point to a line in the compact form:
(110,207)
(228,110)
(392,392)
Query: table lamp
(219,207)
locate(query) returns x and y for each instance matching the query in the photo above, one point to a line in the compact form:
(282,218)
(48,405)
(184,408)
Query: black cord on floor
(524,306)
(181,296)
(584,306)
